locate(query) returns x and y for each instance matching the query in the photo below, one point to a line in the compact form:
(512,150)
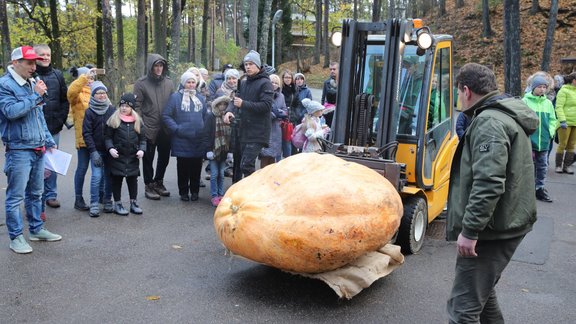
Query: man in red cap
(26,137)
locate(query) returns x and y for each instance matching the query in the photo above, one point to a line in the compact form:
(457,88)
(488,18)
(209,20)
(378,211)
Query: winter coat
(22,123)
(210,134)
(303,92)
(492,194)
(254,114)
(566,105)
(214,85)
(329,92)
(56,107)
(186,128)
(79,99)
(278,113)
(127,142)
(313,134)
(546,130)
(292,103)
(94,129)
(152,94)
(462,124)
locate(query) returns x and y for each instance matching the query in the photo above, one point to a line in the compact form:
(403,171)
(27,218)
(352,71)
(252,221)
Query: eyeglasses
(129,103)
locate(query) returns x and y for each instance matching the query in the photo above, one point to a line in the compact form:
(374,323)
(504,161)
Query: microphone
(37,78)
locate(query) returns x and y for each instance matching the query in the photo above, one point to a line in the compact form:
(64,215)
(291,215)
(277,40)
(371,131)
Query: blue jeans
(81,169)
(25,172)
(286,149)
(50,186)
(100,176)
(540,167)
(217,178)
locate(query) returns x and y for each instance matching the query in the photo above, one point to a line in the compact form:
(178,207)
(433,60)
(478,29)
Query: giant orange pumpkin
(308,213)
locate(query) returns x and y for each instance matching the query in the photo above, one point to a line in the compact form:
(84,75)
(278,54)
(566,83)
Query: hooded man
(152,92)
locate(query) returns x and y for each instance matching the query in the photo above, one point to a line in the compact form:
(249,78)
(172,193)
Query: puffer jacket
(56,107)
(94,129)
(22,122)
(492,193)
(127,142)
(543,107)
(152,94)
(303,92)
(186,128)
(566,105)
(79,99)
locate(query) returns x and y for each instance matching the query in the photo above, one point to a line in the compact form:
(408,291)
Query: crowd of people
(231,120)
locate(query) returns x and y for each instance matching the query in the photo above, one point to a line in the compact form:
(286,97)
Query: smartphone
(100,71)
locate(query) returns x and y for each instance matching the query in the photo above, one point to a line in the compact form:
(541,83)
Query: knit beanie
(187,76)
(253,57)
(538,81)
(299,75)
(83,70)
(231,73)
(311,106)
(128,98)
(97,85)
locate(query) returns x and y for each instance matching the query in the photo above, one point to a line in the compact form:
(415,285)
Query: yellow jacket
(79,98)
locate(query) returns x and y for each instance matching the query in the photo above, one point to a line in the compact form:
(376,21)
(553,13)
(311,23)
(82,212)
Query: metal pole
(273,44)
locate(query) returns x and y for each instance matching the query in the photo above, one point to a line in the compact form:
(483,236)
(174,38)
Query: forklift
(394,114)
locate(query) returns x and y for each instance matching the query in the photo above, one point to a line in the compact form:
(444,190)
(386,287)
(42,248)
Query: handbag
(287,130)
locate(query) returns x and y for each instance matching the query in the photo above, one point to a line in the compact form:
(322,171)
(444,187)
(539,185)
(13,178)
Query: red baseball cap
(26,53)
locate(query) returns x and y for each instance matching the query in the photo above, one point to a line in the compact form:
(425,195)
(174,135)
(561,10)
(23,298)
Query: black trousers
(250,152)
(132,183)
(473,297)
(188,172)
(163,146)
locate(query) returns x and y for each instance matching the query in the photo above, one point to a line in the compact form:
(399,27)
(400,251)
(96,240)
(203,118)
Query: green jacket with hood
(492,194)
(543,107)
(566,105)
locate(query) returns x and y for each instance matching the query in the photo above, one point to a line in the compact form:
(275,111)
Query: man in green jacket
(491,205)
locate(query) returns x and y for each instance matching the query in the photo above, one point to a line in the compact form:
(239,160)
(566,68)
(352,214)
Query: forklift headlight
(423,38)
(336,38)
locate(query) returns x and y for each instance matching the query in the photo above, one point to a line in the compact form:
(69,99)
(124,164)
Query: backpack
(298,137)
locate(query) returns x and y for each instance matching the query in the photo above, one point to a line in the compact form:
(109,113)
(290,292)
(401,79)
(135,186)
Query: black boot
(80,204)
(134,208)
(160,189)
(542,194)
(150,191)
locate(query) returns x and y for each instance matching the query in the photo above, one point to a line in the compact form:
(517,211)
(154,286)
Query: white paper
(57,161)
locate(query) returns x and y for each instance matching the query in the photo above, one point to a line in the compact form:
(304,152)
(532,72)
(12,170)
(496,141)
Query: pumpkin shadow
(274,286)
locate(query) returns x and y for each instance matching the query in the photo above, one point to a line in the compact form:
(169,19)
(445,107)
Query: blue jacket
(22,123)
(303,92)
(185,127)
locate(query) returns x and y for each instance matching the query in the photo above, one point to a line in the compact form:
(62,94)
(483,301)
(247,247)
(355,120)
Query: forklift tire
(413,225)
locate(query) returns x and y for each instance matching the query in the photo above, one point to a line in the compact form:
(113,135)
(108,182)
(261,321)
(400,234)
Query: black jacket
(94,128)
(56,107)
(127,142)
(254,114)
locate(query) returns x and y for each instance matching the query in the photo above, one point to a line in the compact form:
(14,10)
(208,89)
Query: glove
(114,152)
(96,159)
(563,125)
(210,155)
(139,154)
(229,158)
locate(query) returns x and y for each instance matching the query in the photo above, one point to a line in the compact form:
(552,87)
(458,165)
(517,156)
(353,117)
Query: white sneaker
(19,245)
(44,235)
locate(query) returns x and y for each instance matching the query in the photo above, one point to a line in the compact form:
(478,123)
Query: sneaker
(194,196)
(160,189)
(54,203)
(43,216)
(94,211)
(19,245)
(109,207)
(150,192)
(228,173)
(184,197)
(215,201)
(542,194)
(207,177)
(44,235)
(80,204)
(559,169)
(134,208)
(119,209)
(202,184)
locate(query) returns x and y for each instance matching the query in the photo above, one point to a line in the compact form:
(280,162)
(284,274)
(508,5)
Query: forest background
(515,37)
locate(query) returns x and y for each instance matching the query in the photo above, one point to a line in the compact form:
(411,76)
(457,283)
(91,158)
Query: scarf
(188,95)
(99,107)
(222,133)
(127,118)
(226,89)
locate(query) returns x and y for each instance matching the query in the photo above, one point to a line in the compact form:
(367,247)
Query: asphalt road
(167,266)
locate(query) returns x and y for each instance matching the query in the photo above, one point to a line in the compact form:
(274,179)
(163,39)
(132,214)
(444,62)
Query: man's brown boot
(150,192)
(559,158)
(160,189)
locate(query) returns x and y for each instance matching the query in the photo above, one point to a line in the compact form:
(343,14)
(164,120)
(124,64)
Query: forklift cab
(394,113)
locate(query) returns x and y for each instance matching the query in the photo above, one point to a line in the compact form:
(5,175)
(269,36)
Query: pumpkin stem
(234,209)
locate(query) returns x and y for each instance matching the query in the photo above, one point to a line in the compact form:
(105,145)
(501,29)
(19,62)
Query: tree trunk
(512,69)
(253,26)
(285,39)
(109,50)
(376,8)
(164,28)
(240,39)
(99,41)
(210,64)
(156,25)
(234,22)
(141,39)
(205,18)
(120,44)
(442,8)
(392,9)
(355,10)
(326,36)
(459,4)
(549,35)
(486,28)
(55,44)
(318,29)
(175,36)
(535,7)
(4,34)
(191,39)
